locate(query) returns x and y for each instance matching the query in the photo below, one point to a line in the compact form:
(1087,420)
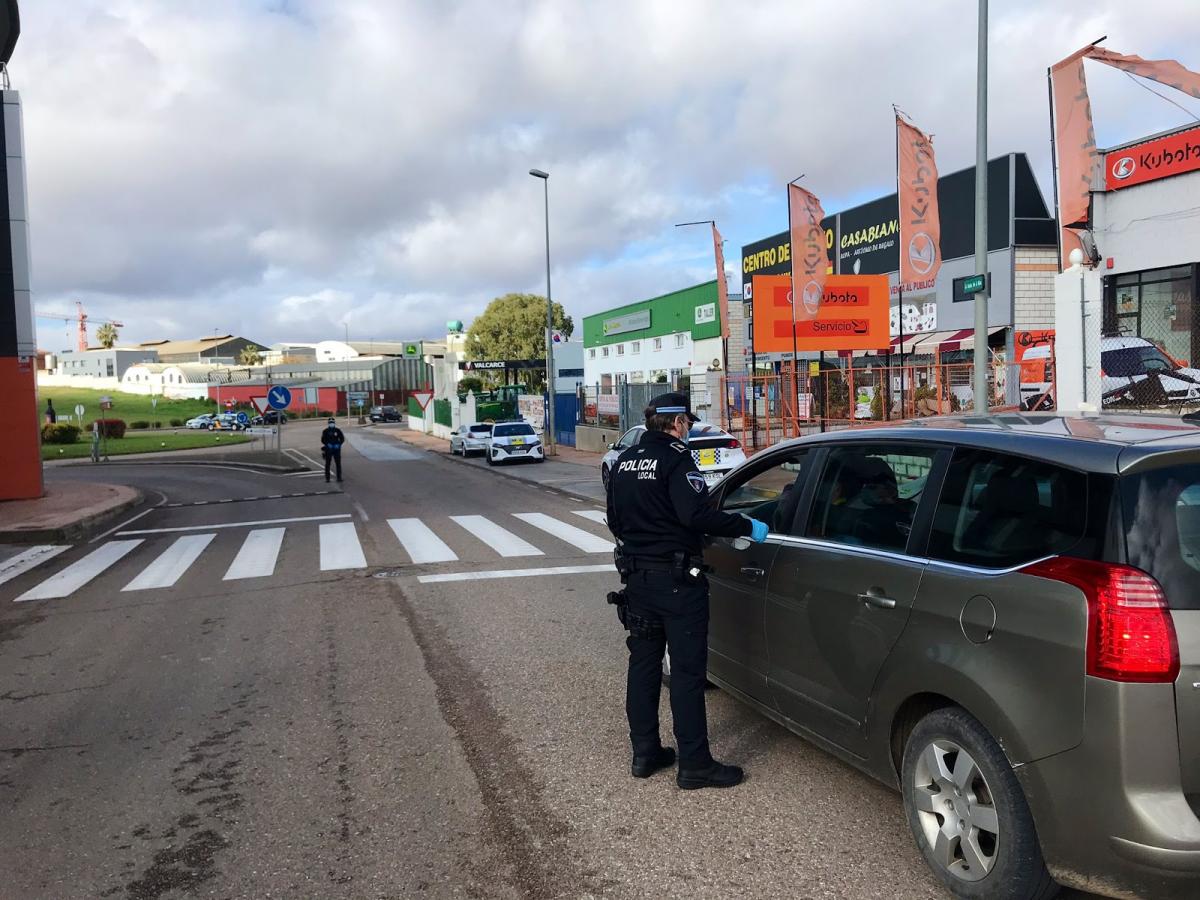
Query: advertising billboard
(853,315)
(1161,158)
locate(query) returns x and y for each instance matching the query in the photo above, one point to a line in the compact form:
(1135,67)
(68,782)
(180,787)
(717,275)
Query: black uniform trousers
(334,456)
(677,616)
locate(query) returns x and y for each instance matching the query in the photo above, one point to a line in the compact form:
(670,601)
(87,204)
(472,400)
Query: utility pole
(981,259)
(550,434)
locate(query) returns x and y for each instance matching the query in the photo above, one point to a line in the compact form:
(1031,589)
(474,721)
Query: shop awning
(945,342)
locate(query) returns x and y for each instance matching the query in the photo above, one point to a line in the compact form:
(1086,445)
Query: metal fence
(623,405)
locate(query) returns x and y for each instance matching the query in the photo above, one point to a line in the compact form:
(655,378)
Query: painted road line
(340,548)
(516,573)
(234,525)
(80,572)
(596,515)
(499,539)
(171,563)
(576,537)
(378,451)
(420,543)
(28,559)
(256,558)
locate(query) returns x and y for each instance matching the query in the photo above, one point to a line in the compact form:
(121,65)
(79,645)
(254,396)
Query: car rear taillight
(733,444)
(1131,636)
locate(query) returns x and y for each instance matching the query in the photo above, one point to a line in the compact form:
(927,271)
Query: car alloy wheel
(956,811)
(968,813)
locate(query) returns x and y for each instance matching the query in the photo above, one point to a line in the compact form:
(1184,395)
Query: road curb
(75,530)
(250,467)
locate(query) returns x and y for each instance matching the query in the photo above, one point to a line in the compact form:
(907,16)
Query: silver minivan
(999,616)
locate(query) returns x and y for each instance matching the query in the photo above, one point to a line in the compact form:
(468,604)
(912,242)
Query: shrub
(139,423)
(60,433)
(177,423)
(156,424)
(111,428)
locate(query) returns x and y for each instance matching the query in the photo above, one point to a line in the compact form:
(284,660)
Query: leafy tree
(249,356)
(106,334)
(470,383)
(514,327)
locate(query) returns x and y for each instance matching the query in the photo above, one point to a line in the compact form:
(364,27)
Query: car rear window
(480,428)
(998,511)
(1161,513)
(506,430)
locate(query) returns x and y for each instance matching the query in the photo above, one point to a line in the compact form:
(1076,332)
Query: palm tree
(249,356)
(106,334)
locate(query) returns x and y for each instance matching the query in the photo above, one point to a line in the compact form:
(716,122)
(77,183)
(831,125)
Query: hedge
(60,433)
(177,423)
(139,423)
(111,428)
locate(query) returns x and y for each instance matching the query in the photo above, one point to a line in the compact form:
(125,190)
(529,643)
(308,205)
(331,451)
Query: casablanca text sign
(629,322)
(853,315)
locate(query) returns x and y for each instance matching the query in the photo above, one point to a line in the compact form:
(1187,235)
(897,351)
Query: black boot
(645,766)
(717,775)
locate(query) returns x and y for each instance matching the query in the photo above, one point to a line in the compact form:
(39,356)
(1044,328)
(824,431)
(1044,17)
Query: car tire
(491,460)
(604,476)
(212,427)
(957,786)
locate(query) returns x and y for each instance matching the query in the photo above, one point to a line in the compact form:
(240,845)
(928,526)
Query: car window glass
(998,510)
(631,437)
(770,495)
(868,495)
(507,430)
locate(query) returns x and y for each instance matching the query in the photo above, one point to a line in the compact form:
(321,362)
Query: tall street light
(549,436)
(981,259)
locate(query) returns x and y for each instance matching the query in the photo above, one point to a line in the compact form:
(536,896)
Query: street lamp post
(549,436)
(981,259)
(346,325)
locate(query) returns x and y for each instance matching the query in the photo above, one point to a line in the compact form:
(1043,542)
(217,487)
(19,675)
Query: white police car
(513,442)
(714,451)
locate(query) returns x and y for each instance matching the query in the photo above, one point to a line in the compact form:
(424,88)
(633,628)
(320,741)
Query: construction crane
(82,318)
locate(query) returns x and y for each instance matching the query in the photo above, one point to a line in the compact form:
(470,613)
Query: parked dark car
(1000,617)
(270,417)
(384,414)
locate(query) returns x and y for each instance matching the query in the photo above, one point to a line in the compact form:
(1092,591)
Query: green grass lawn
(148,442)
(130,407)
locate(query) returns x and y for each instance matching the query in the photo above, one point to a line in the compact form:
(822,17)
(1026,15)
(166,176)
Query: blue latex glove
(758,531)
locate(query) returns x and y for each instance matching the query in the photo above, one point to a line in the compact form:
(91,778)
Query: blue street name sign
(279,398)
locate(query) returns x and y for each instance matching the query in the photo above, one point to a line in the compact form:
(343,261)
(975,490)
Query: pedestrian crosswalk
(160,558)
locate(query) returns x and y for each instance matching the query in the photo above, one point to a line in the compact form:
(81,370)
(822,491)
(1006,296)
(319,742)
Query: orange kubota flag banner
(920,223)
(809,257)
(722,285)
(1074,137)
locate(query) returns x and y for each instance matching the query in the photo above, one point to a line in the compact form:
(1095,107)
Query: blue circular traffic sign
(279,397)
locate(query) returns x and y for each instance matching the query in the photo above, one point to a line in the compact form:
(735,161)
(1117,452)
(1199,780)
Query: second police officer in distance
(659,509)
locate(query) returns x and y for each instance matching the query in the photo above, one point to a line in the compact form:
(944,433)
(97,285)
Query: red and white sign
(422,397)
(229,404)
(1170,155)
(260,403)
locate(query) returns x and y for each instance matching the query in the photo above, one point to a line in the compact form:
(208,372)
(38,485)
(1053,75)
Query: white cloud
(275,168)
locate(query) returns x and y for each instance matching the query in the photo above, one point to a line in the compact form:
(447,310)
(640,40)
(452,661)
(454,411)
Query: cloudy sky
(281,169)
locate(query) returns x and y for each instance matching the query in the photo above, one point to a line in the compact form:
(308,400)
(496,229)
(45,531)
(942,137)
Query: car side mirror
(612,446)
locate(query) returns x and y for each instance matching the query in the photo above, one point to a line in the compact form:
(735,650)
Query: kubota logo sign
(1166,156)
(1123,167)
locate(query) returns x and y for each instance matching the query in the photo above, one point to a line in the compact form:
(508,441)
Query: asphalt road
(177,723)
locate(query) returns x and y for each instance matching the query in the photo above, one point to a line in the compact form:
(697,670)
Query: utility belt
(682,566)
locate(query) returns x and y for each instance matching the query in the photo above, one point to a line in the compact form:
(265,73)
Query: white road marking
(28,559)
(258,554)
(596,515)
(419,541)
(80,572)
(340,548)
(499,539)
(362,513)
(235,524)
(377,451)
(516,573)
(171,563)
(577,537)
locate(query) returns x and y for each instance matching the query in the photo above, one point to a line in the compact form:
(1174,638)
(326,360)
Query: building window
(635,347)
(678,341)
(109,366)
(620,349)
(606,384)
(592,353)
(604,352)
(1156,306)
(657,344)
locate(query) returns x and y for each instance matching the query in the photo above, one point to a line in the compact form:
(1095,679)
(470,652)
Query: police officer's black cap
(673,404)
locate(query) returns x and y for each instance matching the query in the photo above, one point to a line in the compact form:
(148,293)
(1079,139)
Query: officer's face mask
(682,428)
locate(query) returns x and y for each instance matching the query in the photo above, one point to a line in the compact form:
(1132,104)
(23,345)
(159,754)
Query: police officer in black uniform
(659,509)
(331,446)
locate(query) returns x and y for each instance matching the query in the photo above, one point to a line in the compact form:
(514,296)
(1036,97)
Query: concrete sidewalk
(571,471)
(65,513)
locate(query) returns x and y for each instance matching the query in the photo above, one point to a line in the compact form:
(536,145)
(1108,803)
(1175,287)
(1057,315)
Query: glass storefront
(1156,305)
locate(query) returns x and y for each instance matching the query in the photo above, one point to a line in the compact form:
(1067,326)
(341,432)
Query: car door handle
(751,571)
(873,598)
